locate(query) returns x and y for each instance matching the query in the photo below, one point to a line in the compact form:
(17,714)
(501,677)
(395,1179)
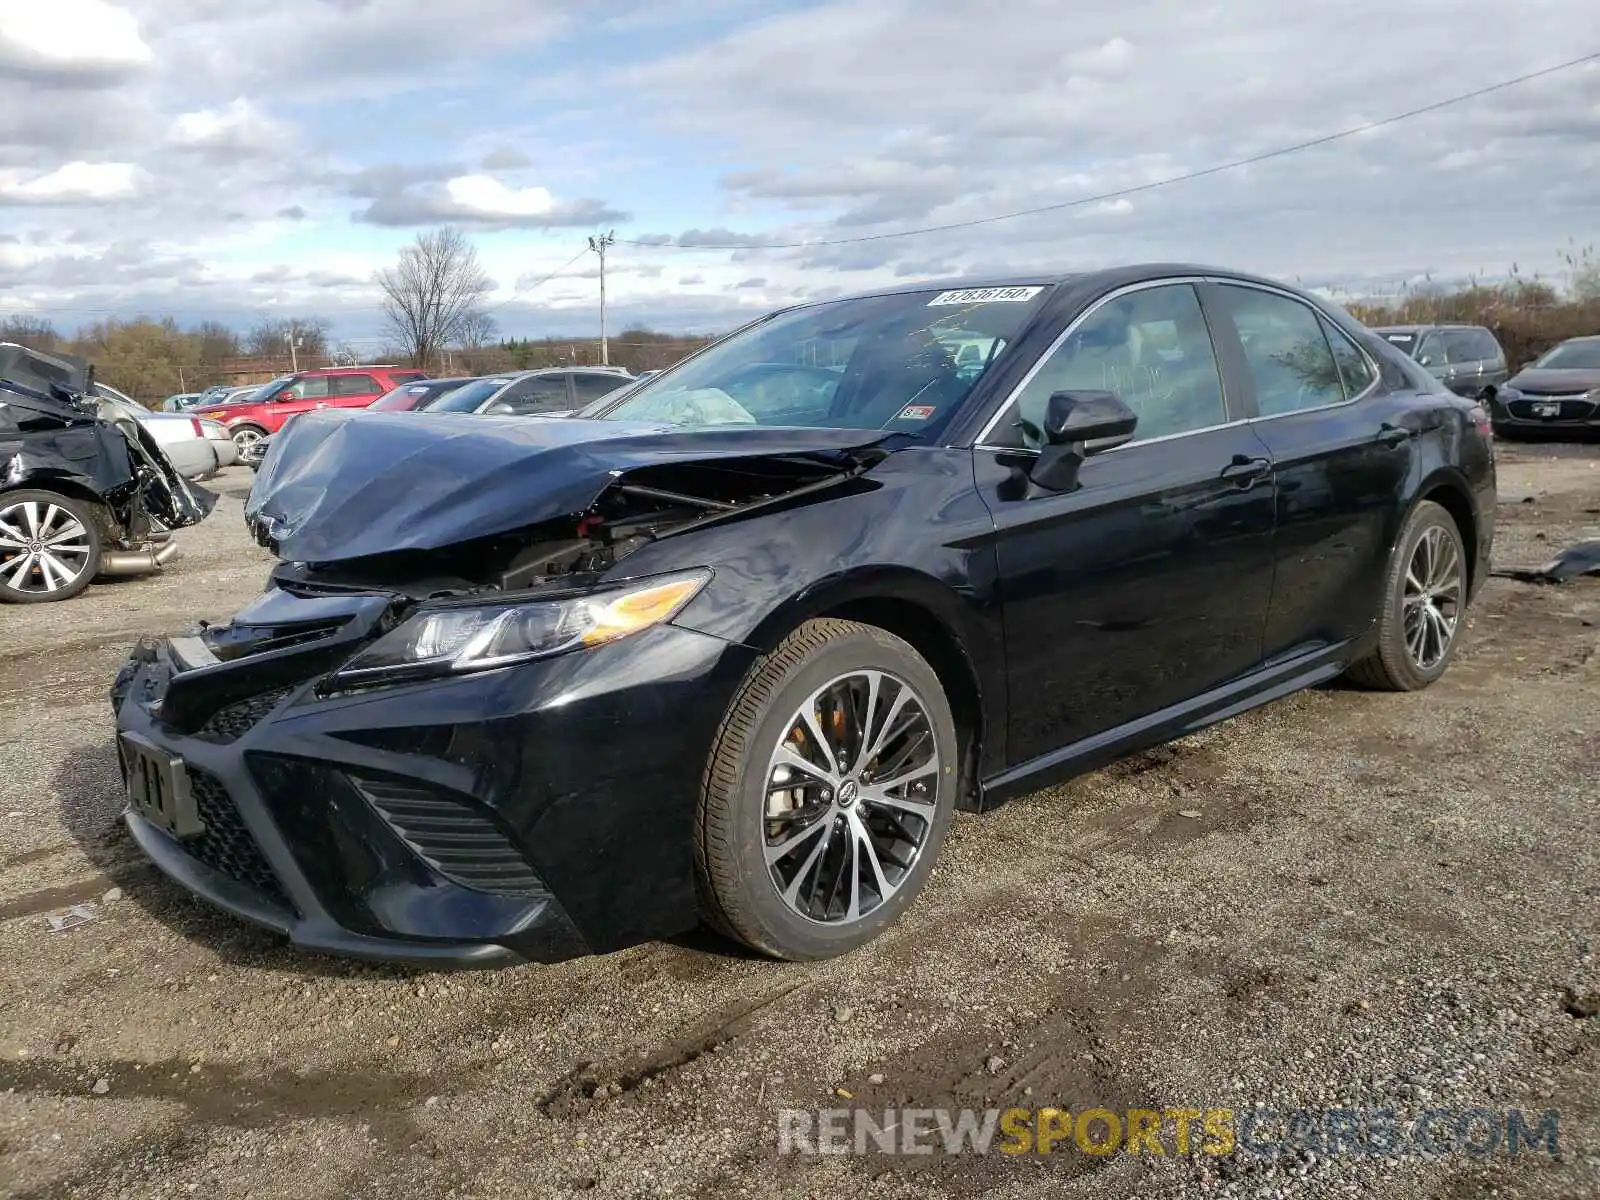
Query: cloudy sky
(224,158)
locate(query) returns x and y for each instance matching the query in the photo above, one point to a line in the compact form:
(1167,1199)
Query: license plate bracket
(158,787)
(1547,408)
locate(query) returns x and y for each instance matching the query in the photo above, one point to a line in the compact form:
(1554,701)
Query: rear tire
(862,834)
(49,547)
(1424,600)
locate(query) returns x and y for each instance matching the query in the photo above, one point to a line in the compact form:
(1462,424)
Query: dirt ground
(1344,899)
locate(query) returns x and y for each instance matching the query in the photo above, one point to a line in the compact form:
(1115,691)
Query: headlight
(456,639)
(1507,392)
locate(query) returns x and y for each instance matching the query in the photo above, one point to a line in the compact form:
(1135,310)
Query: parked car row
(542,391)
(1557,393)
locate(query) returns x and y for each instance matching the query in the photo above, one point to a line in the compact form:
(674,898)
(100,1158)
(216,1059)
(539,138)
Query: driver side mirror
(1076,425)
(499,409)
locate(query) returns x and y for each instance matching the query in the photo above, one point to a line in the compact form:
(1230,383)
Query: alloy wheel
(44,548)
(245,438)
(1434,581)
(851,796)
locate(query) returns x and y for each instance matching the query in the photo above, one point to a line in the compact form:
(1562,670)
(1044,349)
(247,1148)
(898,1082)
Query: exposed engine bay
(635,509)
(430,507)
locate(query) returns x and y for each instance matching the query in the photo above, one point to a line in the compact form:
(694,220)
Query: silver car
(196,447)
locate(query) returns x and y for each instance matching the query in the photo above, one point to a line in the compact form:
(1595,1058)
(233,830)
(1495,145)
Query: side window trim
(1374,373)
(1330,330)
(1011,399)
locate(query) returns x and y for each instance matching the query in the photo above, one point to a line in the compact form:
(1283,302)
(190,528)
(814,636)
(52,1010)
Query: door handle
(1245,471)
(1393,435)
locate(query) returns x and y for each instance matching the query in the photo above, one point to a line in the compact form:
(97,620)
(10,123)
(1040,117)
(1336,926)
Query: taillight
(1480,420)
(199,429)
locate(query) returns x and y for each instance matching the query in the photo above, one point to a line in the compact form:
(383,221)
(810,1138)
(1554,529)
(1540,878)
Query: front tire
(245,436)
(828,792)
(1424,600)
(49,547)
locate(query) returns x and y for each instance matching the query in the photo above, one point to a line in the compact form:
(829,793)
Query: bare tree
(477,331)
(33,332)
(433,293)
(268,337)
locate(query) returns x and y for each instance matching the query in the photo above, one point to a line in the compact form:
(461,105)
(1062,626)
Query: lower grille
(226,846)
(233,722)
(457,840)
(1572,409)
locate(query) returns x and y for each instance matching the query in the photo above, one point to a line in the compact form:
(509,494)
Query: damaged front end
(435,506)
(348,762)
(55,437)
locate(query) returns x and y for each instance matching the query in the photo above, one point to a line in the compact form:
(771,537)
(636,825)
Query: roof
(1104,277)
(1422,328)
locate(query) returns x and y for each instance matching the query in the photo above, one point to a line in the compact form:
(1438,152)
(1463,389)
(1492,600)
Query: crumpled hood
(342,484)
(1545,382)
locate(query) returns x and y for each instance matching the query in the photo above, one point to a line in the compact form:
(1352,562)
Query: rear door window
(535,394)
(1464,346)
(1287,351)
(588,386)
(354,385)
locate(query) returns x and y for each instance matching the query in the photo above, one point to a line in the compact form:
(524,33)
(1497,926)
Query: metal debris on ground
(1582,559)
(71,918)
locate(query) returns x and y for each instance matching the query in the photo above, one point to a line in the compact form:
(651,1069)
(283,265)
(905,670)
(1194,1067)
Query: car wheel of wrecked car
(49,547)
(1425,594)
(828,792)
(246,436)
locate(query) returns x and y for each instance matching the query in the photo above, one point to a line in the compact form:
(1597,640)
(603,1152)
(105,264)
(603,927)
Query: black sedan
(735,645)
(1558,393)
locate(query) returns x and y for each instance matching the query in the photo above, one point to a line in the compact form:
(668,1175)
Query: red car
(266,409)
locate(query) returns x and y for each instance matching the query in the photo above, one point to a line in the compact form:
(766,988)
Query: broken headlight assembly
(455,639)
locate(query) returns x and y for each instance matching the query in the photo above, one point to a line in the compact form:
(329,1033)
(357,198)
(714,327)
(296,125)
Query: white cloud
(238,128)
(222,139)
(70,37)
(1111,56)
(74,183)
(486,196)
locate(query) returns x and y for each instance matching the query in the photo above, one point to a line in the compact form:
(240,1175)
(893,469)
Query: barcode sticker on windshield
(989,295)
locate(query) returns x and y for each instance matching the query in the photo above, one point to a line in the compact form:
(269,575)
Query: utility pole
(598,245)
(294,353)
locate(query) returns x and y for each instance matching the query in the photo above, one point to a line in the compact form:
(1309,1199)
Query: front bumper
(1525,413)
(534,813)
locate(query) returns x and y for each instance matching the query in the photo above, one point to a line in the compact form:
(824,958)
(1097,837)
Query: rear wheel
(1424,599)
(828,793)
(49,547)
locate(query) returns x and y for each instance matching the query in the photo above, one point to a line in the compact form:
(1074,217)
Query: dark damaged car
(85,491)
(735,646)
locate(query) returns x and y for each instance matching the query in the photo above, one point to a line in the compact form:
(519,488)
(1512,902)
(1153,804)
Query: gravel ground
(1344,899)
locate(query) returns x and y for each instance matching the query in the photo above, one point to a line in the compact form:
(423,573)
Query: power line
(755,243)
(519,293)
